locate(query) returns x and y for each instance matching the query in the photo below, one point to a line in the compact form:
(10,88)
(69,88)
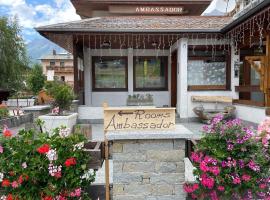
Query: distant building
(58,66)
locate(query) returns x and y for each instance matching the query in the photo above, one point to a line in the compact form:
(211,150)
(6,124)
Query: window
(208,69)
(150,74)
(63,78)
(110,74)
(52,63)
(62,64)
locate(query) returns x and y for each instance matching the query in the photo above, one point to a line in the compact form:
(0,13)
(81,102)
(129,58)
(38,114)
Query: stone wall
(148,169)
(16,121)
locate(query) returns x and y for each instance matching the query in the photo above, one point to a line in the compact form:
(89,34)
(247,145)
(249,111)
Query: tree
(13,59)
(36,79)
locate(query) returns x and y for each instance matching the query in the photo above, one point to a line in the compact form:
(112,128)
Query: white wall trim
(182,59)
(87,77)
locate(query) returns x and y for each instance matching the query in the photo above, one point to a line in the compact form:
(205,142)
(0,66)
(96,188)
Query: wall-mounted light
(106,44)
(154,44)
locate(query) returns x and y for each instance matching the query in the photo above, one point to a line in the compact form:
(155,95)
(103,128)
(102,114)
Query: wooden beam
(247,88)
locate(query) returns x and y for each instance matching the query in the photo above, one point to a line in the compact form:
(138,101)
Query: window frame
(94,89)
(227,86)
(151,89)
(53,64)
(62,62)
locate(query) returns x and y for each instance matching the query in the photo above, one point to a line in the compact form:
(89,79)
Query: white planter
(51,121)
(21,102)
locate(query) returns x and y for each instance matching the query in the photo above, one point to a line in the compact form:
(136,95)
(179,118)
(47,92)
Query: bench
(206,115)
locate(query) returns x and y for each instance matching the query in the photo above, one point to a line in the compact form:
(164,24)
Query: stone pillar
(182,95)
(130,71)
(87,77)
(148,166)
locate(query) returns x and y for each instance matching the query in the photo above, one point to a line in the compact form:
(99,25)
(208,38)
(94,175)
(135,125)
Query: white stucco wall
(250,113)
(161,98)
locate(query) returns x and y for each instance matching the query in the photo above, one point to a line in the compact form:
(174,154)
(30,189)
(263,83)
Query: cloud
(221,5)
(30,15)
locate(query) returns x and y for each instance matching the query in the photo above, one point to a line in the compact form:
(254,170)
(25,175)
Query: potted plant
(38,166)
(231,163)
(63,96)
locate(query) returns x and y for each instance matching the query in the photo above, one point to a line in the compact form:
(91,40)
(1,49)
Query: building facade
(58,66)
(165,49)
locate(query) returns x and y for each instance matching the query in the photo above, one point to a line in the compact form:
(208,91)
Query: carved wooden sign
(176,10)
(122,119)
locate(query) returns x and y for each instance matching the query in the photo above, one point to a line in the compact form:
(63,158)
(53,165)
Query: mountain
(40,46)
(214,12)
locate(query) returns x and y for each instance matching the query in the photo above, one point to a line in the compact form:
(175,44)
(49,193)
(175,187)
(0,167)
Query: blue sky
(34,13)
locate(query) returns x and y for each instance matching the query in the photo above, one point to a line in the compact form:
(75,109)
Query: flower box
(53,121)
(96,153)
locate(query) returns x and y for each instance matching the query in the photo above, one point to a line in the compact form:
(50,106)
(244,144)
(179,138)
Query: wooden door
(174,79)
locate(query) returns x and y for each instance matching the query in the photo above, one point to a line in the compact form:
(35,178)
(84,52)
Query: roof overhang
(85,8)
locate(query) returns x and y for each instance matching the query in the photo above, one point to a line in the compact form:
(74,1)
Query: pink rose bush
(231,162)
(37,166)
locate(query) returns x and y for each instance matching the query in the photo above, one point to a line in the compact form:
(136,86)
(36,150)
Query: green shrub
(230,163)
(37,166)
(4,113)
(62,94)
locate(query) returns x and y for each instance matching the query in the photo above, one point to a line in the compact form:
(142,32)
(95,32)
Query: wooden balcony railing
(66,69)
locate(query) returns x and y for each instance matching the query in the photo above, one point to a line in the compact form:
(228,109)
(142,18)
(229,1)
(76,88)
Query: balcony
(57,69)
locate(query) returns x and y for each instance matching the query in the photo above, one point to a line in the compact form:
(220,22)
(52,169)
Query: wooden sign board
(123,119)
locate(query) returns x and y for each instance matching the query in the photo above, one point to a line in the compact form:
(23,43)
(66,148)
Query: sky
(34,13)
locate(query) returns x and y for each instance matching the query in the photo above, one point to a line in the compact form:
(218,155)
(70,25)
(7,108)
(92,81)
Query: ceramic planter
(53,121)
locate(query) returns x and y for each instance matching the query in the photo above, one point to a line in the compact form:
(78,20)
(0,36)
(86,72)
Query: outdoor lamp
(106,44)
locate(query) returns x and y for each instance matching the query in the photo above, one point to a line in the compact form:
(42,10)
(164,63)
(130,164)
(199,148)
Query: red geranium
(5,183)
(9,197)
(7,133)
(47,198)
(44,149)
(70,162)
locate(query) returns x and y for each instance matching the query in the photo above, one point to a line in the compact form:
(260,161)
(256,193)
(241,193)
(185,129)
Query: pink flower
(207,181)
(252,165)
(236,180)
(15,184)
(24,165)
(55,110)
(1,149)
(213,195)
(246,177)
(223,164)
(194,196)
(262,186)
(196,157)
(215,170)
(230,147)
(76,192)
(203,166)
(221,188)
(191,188)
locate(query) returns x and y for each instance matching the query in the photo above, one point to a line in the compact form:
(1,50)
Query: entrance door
(174,79)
